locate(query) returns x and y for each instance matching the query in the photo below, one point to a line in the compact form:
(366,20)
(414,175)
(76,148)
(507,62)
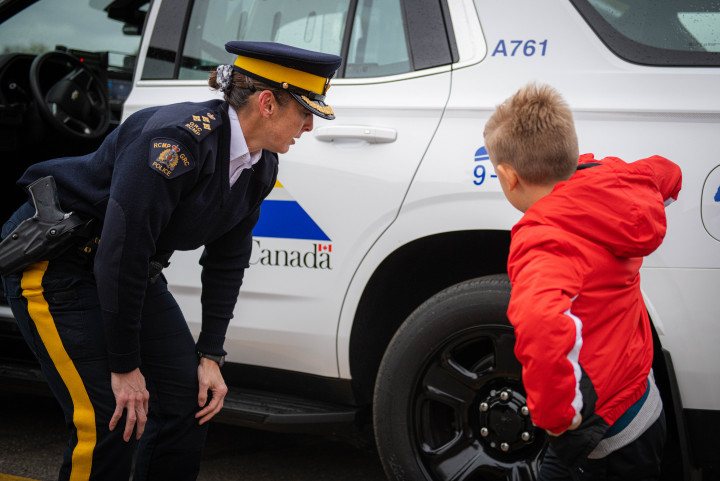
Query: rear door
(341,185)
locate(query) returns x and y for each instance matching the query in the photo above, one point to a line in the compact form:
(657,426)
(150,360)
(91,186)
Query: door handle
(373,135)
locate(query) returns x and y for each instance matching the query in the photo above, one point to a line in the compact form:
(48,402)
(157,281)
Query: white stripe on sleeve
(574,358)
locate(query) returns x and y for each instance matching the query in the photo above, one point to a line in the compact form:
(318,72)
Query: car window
(378,45)
(320,25)
(658,32)
(72,24)
(314,25)
(704,28)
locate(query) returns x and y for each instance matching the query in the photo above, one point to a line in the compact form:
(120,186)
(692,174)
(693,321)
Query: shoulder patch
(201,123)
(169,158)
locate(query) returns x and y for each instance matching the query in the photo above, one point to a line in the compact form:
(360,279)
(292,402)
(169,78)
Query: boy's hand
(572,427)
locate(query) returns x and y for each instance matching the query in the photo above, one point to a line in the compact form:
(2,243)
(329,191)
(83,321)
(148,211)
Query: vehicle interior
(65,70)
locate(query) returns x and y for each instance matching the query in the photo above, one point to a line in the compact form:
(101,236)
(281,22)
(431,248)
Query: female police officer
(110,338)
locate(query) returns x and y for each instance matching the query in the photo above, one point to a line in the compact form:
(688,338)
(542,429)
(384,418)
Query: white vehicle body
(402,172)
(388,226)
(371,196)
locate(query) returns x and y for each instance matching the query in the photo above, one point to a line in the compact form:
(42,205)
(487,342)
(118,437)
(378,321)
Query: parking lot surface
(32,439)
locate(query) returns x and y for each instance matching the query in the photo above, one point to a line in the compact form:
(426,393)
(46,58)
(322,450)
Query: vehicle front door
(342,184)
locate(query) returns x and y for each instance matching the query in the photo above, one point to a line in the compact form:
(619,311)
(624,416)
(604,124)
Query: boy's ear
(509,175)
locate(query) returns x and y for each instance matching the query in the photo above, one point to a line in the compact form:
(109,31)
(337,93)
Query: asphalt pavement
(32,439)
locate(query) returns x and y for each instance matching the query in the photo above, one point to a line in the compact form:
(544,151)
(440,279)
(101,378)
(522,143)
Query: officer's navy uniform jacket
(160,182)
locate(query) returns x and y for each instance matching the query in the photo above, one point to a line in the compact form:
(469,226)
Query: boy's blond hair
(533,131)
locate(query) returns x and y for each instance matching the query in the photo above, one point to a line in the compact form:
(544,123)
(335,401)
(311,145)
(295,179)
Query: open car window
(73,25)
(374,49)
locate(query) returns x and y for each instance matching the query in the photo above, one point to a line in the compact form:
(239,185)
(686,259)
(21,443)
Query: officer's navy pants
(56,306)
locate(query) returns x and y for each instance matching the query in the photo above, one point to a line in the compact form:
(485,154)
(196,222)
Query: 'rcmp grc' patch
(169,158)
(201,123)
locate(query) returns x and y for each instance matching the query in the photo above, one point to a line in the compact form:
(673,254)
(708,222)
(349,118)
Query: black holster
(43,236)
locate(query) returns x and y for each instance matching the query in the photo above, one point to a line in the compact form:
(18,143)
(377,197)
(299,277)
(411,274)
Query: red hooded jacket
(576,303)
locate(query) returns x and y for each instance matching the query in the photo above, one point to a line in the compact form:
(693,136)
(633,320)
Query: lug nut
(484,432)
(505,447)
(484,407)
(525,436)
(524,411)
(505,395)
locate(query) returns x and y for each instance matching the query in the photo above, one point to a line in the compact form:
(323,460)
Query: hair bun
(224,77)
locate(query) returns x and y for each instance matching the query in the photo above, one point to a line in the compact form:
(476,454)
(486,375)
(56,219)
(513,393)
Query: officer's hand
(211,380)
(572,427)
(131,394)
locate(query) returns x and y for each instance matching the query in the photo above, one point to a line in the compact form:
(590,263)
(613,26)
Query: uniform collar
(238,145)
(240,156)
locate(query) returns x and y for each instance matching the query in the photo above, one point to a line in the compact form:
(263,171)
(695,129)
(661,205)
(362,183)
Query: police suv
(376,297)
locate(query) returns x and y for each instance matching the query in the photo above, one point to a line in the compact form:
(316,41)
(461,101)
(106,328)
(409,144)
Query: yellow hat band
(280,74)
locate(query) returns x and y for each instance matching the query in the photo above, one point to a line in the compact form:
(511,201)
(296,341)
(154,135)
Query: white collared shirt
(240,156)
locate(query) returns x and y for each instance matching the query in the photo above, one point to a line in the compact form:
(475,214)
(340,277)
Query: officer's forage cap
(302,73)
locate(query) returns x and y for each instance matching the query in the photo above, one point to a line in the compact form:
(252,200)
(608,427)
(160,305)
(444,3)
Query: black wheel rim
(470,418)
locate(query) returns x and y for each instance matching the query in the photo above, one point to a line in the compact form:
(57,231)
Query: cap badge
(326,109)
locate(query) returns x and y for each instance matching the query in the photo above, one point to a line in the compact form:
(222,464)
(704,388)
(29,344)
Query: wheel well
(416,271)
(678,462)
(408,277)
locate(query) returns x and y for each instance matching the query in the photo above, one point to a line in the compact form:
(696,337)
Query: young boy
(583,333)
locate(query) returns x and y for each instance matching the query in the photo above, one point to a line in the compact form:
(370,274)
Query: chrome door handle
(373,135)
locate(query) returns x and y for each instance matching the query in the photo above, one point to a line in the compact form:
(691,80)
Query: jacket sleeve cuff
(123,343)
(122,363)
(211,344)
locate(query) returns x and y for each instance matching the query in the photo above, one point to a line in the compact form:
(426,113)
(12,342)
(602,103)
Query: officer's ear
(267,103)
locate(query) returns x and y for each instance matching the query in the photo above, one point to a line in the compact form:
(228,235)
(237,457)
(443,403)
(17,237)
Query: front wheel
(449,402)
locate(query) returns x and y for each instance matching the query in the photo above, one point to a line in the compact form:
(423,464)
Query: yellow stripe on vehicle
(279,193)
(83,411)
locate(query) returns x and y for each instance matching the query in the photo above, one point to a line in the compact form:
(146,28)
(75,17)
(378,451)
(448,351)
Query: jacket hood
(617,205)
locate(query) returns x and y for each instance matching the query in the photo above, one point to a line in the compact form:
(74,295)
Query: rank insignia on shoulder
(201,123)
(169,158)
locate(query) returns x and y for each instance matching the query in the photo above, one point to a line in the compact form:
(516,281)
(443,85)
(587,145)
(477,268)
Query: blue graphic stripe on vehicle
(287,220)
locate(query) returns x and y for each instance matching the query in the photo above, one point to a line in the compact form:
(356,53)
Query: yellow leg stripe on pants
(83,411)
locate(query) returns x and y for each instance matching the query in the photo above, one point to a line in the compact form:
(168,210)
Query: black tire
(449,402)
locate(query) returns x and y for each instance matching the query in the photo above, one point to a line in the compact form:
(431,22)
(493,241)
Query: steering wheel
(77,103)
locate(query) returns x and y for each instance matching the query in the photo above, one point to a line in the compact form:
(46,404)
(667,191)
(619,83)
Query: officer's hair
(533,131)
(243,87)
